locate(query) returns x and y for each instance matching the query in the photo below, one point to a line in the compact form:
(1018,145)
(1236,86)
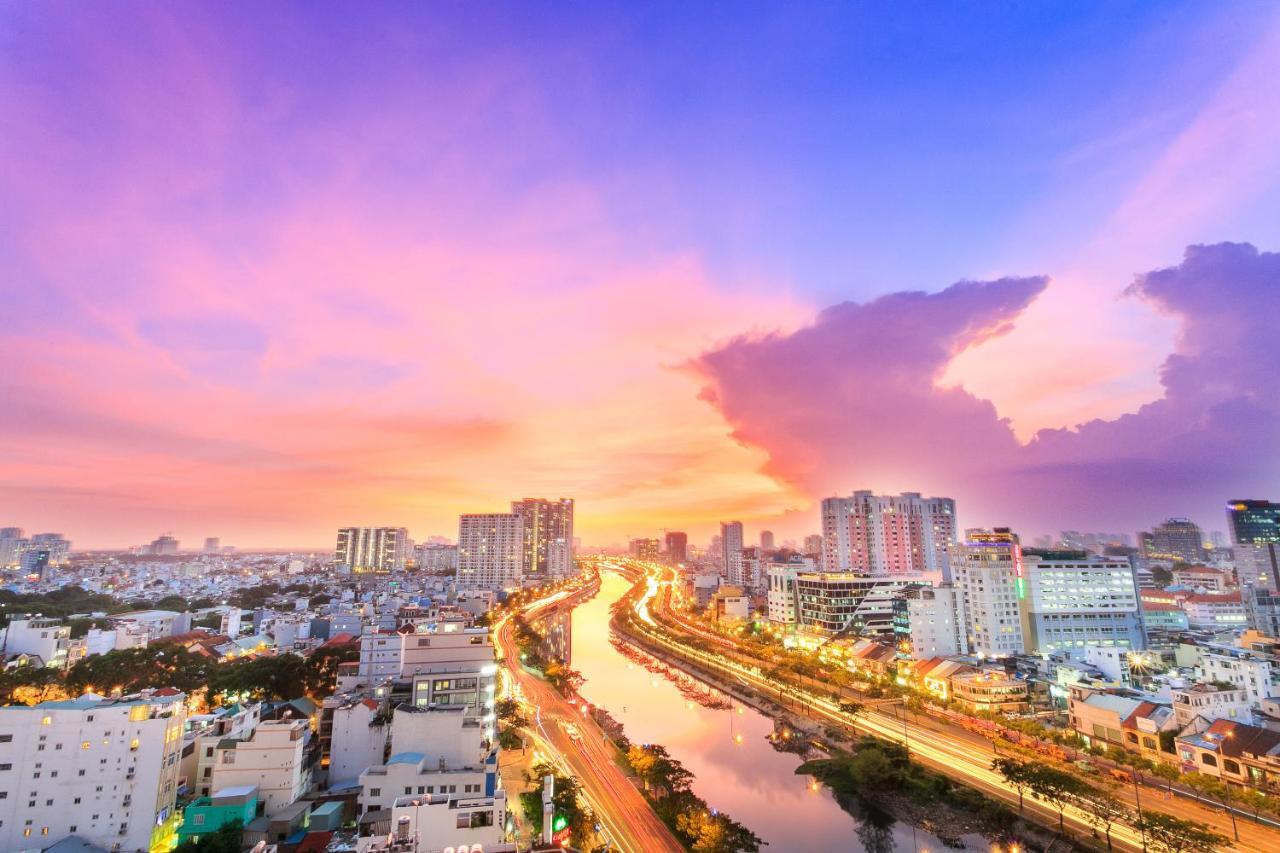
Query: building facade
(1255,542)
(490,550)
(888,534)
(1073,603)
(548,536)
(991,577)
(372,549)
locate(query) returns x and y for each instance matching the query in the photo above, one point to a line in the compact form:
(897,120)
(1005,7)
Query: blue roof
(407,758)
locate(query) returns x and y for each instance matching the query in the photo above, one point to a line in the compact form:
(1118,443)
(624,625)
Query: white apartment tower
(372,549)
(105,770)
(548,536)
(490,550)
(888,535)
(935,620)
(731,551)
(990,575)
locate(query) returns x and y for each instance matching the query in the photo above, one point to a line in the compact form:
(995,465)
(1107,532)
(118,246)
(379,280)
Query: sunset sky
(267,269)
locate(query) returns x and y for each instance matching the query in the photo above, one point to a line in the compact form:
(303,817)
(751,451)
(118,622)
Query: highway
(953,753)
(578,745)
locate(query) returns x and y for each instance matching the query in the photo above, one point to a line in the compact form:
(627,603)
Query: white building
(271,759)
(782,593)
(435,824)
(1252,673)
(36,635)
(105,770)
(935,621)
(204,733)
(1111,661)
(381,655)
(1209,702)
(372,549)
(358,739)
(125,635)
(888,534)
(731,551)
(490,551)
(157,623)
(991,578)
(1075,603)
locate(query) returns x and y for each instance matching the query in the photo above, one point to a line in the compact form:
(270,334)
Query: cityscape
(628,428)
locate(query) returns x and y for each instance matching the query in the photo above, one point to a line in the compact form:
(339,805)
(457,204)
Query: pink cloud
(853,401)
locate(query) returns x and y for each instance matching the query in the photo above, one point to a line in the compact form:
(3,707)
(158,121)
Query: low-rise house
(206,815)
(991,690)
(272,758)
(1210,702)
(1234,752)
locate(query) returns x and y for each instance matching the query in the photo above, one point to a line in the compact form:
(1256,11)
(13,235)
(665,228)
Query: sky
(269,269)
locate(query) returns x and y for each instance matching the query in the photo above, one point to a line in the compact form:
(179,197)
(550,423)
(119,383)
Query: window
(375,792)
(197,820)
(46,720)
(84,745)
(6,738)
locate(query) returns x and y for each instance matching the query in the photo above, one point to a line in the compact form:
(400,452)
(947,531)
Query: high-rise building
(372,549)
(58,546)
(548,536)
(1255,542)
(677,547)
(991,577)
(766,540)
(813,544)
(490,550)
(887,534)
(12,544)
(163,546)
(1177,540)
(1075,601)
(643,549)
(212,545)
(35,561)
(731,551)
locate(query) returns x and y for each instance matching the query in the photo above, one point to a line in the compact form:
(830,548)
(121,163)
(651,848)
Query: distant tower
(766,540)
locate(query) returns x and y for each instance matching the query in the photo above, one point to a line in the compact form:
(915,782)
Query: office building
(990,575)
(830,602)
(372,549)
(212,545)
(731,551)
(766,540)
(548,536)
(105,770)
(1177,540)
(677,547)
(1075,601)
(1255,542)
(888,535)
(35,561)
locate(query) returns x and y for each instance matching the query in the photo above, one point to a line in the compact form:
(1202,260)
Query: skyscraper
(1178,540)
(12,545)
(887,535)
(731,551)
(548,536)
(163,546)
(372,549)
(643,549)
(212,545)
(766,540)
(677,547)
(990,575)
(1255,541)
(491,548)
(58,546)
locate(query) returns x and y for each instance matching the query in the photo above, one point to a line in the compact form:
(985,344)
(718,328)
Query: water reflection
(749,779)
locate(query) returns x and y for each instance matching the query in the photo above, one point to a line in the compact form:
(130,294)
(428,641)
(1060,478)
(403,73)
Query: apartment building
(105,770)
(271,759)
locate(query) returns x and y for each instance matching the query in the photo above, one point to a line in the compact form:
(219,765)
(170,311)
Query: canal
(752,782)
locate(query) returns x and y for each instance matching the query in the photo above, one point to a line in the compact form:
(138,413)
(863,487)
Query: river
(751,781)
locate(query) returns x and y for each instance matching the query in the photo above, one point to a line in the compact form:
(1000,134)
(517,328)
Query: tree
(130,670)
(715,833)
(1101,809)
(320,671)
(1057,787)
(225,839)
(278,678)
(1168,834)
(657,769)
(1167,772)
(1018,775)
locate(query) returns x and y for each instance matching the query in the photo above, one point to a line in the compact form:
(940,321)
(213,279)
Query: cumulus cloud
(853,401)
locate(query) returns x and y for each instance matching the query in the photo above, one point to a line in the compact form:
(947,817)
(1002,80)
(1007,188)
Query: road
(579,747)
(950,750)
